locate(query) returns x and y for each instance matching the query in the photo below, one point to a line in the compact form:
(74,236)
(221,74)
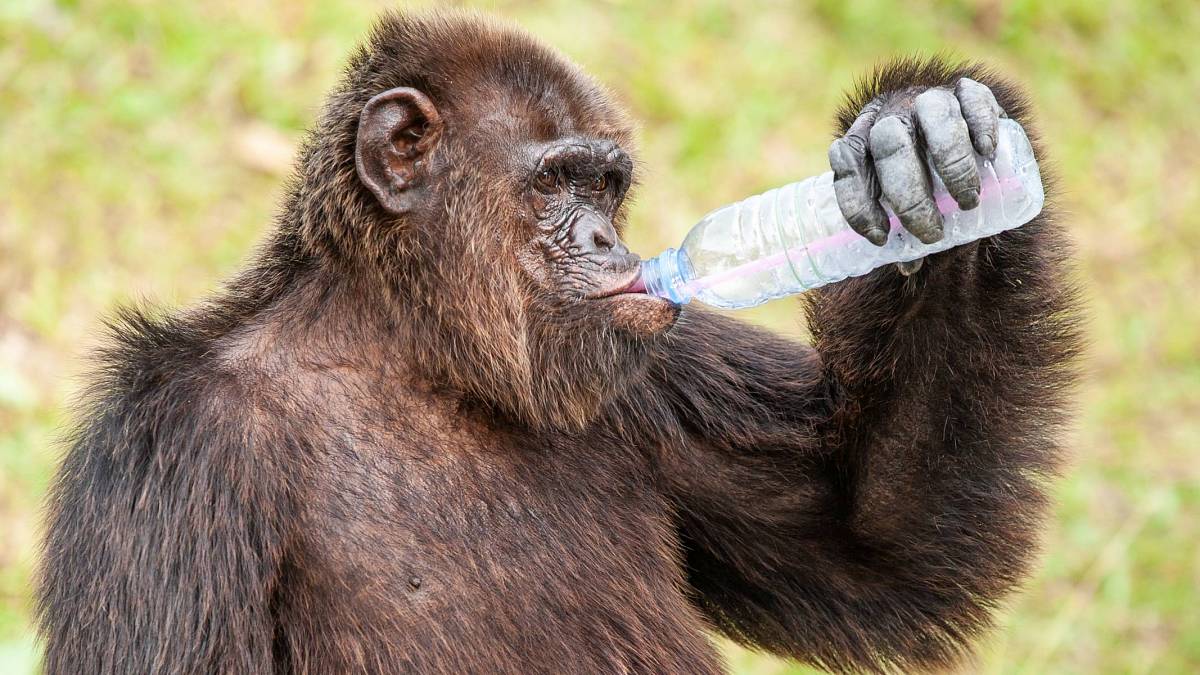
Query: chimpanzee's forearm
(863,504)
(949,380)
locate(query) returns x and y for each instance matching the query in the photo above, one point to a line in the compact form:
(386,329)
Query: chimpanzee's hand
(883,155)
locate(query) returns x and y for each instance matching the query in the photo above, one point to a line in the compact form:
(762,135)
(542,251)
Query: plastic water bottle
(794,238)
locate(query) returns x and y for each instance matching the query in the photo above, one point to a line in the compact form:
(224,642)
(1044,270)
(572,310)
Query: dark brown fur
(382,450)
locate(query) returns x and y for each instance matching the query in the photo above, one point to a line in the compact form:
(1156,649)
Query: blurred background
(143,146)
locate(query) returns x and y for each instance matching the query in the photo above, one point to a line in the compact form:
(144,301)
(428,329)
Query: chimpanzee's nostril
(595,234)
(601,241)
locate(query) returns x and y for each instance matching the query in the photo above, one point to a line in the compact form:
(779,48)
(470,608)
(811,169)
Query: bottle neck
(664,276)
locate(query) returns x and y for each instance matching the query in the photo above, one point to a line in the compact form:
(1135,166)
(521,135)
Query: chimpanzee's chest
(465,551)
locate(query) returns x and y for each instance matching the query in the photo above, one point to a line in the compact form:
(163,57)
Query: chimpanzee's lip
(630,284)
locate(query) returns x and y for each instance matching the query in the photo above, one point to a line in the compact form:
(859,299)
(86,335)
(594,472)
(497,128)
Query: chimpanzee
(433,428)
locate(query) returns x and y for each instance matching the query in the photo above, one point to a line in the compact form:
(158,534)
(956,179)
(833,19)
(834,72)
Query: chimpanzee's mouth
(629,284)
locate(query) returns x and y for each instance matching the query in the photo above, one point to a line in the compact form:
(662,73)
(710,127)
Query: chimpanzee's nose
(594,234)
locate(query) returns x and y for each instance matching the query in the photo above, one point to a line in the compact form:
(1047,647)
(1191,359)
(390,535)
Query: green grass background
(143,145)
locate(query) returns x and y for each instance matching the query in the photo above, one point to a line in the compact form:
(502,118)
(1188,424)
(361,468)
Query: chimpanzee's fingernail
(969,200)
(877,236)
(930,235)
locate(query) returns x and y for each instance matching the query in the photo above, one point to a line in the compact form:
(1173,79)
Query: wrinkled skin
(883,153)
(575,190)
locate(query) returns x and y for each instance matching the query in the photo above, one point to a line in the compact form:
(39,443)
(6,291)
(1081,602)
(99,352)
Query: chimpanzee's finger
(981,112)
(949,144)
(854,181)
(903,178)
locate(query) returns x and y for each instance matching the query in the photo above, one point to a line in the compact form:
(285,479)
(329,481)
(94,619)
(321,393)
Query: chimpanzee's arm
(163,528)
(864,504)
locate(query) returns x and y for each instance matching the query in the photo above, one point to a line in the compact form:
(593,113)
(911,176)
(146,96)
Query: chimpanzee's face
(573,189)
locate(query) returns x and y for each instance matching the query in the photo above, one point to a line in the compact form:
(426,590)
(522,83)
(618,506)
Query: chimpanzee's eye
(546,180)
(600,183)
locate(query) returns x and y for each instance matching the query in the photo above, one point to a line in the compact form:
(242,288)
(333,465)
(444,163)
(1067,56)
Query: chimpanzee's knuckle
(856,144)
(963,167)
(972,87)
(977,97)
(915,210)
(841,158)
(934,105)
(889,136)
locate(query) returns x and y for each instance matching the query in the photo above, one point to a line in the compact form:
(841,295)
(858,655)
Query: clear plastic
(794,238)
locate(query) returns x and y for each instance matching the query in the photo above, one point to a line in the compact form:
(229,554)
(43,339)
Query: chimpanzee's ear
(396,131)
